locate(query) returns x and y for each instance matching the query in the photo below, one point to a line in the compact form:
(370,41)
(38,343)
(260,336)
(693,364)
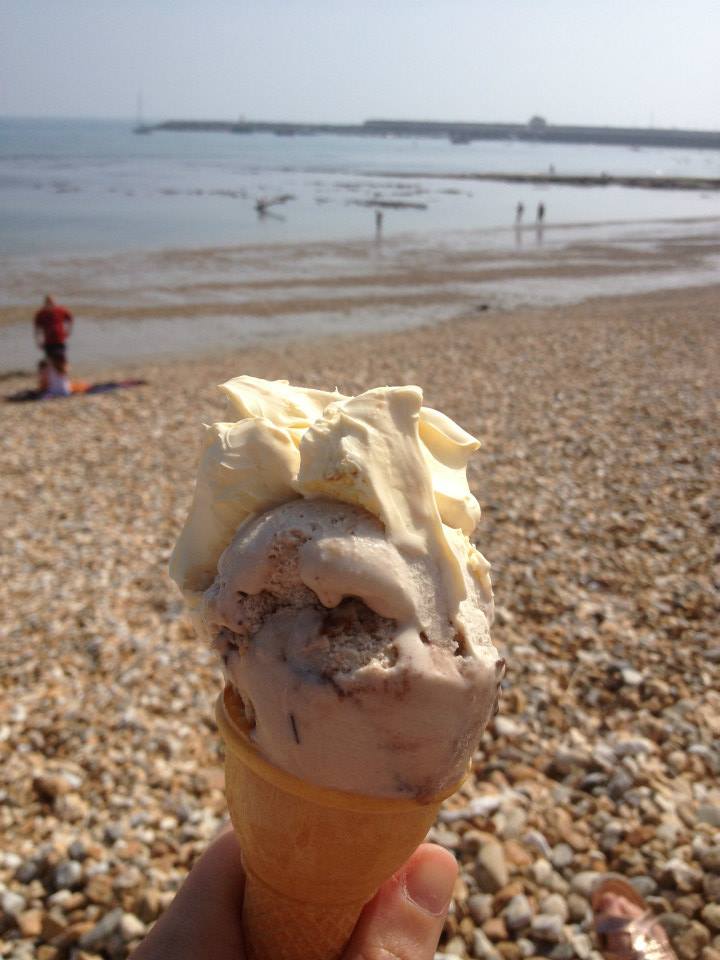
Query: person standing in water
(540,212)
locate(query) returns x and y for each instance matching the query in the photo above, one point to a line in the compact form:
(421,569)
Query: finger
(204,918)
(406,917)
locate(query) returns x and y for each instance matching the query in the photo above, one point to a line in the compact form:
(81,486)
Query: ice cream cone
(313,856)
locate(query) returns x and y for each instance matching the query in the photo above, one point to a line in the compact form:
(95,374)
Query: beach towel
(25,396)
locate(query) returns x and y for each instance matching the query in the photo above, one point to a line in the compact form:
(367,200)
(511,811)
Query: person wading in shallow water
(52,326)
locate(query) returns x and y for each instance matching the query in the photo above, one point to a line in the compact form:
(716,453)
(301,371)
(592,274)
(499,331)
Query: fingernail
(429,883)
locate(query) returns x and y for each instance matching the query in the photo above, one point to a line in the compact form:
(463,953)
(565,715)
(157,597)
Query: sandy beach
(598,479)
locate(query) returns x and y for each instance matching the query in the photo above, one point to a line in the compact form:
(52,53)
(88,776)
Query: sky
(632,63)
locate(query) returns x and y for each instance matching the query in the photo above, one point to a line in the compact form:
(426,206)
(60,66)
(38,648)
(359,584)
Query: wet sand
(174,303)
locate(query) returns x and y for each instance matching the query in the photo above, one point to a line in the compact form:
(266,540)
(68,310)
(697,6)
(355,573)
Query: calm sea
(91,186)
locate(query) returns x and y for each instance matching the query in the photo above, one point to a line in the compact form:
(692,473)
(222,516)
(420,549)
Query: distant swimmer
(519,211)
(540,212)
(52,326)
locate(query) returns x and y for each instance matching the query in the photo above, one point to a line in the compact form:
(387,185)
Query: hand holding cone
(313,857)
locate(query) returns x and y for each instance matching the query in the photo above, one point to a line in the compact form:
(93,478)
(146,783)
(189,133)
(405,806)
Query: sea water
(74,187)
(156,244)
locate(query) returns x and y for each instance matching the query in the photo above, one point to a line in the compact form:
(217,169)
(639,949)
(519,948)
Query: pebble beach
(598,478)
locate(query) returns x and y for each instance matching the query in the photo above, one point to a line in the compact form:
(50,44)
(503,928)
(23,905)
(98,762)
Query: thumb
(406,916)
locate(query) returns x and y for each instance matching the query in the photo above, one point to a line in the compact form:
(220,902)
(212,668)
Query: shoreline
(273,348)
(176,303)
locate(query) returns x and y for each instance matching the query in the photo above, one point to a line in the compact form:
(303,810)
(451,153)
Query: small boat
(140,125)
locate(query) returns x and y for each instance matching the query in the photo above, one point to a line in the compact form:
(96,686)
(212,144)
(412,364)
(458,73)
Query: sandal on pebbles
(624,925)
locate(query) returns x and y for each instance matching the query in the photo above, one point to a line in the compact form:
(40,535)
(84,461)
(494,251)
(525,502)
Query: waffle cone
(313,856)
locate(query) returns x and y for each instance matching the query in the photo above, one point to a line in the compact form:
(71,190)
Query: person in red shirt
(53,325)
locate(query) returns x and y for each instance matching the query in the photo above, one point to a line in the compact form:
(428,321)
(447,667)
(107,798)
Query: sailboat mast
(140,125)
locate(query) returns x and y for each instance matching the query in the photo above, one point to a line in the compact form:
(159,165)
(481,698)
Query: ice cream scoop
(327,557)
(349,607)
(344,653)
